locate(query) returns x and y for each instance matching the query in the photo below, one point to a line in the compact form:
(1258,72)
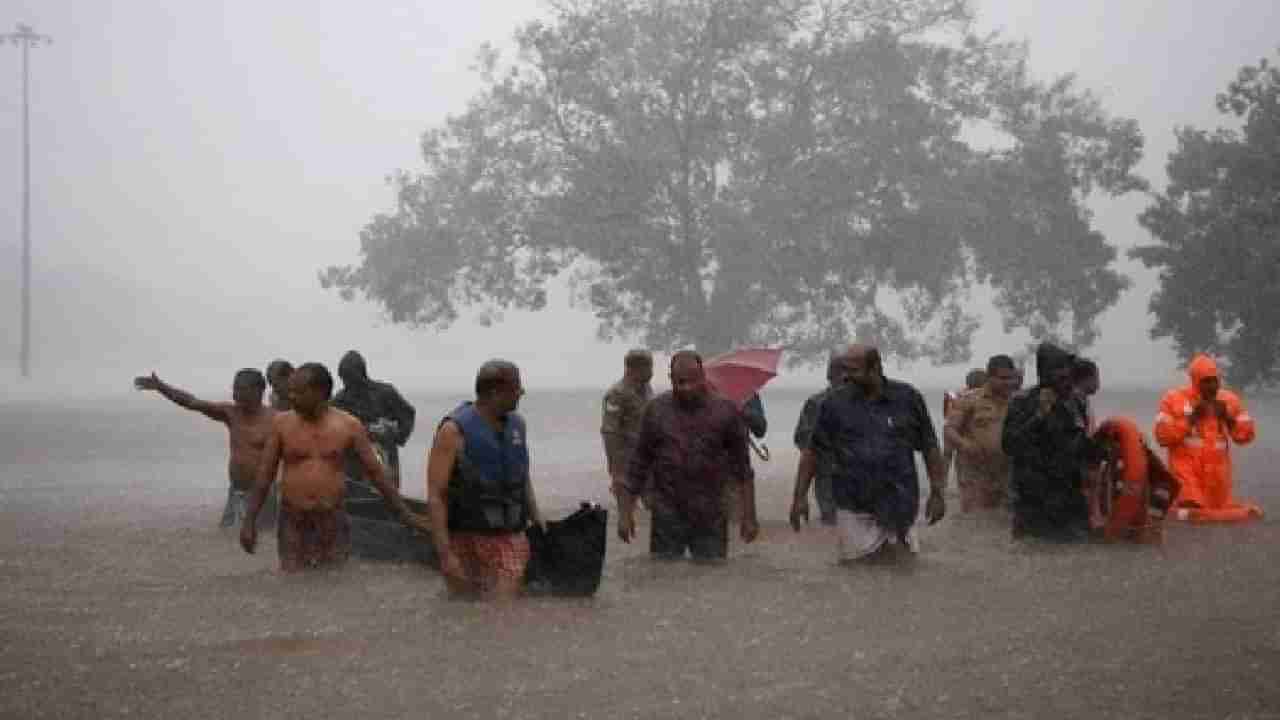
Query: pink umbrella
(739,374)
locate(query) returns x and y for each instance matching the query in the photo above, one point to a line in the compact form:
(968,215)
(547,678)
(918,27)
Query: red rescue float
(1137,489)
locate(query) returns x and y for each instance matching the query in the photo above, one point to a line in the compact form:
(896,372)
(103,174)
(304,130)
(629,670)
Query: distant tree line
(795,172)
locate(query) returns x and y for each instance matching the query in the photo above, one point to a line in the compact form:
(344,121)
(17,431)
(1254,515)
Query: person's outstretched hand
(145,382)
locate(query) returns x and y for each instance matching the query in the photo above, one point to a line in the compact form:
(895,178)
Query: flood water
(123,599)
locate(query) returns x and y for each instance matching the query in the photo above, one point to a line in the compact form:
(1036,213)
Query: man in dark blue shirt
(868,431)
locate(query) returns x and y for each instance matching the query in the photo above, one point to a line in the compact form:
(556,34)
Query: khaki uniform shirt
(978,416)
(623,408)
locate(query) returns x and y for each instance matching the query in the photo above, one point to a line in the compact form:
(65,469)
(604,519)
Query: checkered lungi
(489,557)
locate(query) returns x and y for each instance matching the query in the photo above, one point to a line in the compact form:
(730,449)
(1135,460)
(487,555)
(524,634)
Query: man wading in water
(314,530)
(868,430)
(692,444)
(385,414)
(479,493)
(248,423)
(278,372)
(623,407)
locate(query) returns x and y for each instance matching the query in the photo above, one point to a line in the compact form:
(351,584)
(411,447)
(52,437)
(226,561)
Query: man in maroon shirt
(692,445)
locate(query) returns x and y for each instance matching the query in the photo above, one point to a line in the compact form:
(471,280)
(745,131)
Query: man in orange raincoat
(1198,424)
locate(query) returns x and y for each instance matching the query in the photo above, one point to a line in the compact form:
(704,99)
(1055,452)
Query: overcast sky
(195,164)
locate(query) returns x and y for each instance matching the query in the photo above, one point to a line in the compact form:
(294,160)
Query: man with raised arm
(1046,437)
(310,441)
(248,424)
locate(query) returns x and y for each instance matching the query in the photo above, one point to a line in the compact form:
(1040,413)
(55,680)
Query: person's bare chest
(304,442)
(250,433)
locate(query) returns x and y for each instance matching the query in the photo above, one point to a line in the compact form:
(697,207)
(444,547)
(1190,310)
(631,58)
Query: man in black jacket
(1047,441)
(384,412)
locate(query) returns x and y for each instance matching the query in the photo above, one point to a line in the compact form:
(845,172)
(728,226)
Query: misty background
(194,167)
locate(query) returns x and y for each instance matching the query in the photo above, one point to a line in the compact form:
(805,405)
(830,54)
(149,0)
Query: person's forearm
(258,496)
(748,498)
(626,502)
(936,470)
(635,480)
(438,511)
(390,495)
(404,428)
(805,472)
(176,395)
(534,515)
(615,452)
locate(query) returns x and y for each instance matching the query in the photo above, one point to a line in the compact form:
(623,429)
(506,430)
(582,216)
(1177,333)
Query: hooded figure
(1049,452)
(385,414)
(1198,423)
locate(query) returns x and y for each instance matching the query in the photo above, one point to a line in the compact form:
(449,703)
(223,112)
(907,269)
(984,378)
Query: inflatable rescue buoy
(1229,514)
(1136,490)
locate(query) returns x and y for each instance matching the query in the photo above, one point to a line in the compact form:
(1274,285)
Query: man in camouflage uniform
(623,407)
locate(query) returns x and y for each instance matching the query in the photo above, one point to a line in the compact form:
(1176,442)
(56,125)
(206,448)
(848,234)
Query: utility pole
(27,39)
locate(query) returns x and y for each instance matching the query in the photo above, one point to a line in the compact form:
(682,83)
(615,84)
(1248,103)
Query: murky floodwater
(122,598)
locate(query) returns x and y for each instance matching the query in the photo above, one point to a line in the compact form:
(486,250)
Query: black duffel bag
(568,558)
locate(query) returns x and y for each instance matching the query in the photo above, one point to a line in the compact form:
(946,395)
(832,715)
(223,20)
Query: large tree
(801,172)
(1217,228)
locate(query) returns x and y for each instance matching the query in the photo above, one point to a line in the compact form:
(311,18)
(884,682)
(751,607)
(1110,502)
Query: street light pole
(27,38)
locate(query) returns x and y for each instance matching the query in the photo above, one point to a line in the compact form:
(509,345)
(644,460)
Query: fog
(193,167)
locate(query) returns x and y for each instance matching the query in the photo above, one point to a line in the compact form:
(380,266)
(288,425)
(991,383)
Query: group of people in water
(684,456)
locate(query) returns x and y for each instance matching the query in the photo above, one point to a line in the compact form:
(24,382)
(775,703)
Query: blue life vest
(488,487)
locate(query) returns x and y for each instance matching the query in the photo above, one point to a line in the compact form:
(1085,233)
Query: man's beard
(688,399)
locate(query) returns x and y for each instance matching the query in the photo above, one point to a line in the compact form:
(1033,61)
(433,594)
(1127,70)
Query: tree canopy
(1217,232)
(724,172)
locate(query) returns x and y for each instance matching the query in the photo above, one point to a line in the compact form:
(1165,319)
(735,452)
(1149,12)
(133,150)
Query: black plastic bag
(568,559)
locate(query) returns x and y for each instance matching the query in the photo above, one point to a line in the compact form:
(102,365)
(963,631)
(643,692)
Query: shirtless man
(278,372)
(248,423)
(312,440)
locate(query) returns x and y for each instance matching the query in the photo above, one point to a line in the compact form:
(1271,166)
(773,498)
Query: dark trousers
(1049,511)
(673,533)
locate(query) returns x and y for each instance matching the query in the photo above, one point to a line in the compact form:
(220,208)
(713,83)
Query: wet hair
(687,356)
(1084,369)
(976,378)
(493,375)
(317,376)
(275,367)
(637,358)
(251,377)
(1000,362)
